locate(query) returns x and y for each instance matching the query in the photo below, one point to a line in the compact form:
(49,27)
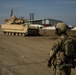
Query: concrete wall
(51,33)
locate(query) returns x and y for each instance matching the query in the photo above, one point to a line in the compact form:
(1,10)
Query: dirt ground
(25,55)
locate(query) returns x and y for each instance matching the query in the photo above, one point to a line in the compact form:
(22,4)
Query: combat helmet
(13,17)
(61,26)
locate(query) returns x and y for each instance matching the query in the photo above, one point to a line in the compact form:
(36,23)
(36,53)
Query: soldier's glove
(49,64)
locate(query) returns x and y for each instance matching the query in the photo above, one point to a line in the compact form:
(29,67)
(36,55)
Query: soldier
(12,19)
(60,56)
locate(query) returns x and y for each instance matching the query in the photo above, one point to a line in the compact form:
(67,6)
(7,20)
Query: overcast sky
(64,10)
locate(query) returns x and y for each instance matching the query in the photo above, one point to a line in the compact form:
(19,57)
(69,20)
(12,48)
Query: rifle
(65,65)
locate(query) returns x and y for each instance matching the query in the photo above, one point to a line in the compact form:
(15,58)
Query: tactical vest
(65,52)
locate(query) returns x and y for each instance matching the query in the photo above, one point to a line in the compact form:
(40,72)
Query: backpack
(68,46)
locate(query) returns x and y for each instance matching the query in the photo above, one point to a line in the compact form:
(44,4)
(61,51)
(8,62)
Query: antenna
(11,13)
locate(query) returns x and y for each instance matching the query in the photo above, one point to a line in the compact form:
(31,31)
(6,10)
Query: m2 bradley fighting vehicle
(17,26)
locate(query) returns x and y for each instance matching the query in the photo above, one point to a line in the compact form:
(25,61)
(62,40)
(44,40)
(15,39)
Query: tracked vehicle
(18,27)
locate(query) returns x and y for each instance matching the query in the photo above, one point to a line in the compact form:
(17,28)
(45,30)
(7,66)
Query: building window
(45,21)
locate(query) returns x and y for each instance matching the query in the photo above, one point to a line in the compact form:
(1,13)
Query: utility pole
(32,16)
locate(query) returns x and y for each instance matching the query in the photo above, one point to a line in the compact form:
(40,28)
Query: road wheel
(23,34)
(20,34)
(12,34)
(6,33)
(16,34)
(9,33)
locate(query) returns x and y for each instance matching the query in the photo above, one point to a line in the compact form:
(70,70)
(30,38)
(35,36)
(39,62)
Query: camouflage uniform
(59,58)
(57,55)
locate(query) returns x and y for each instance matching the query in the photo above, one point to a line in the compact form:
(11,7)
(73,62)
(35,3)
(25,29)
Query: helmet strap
(60,32)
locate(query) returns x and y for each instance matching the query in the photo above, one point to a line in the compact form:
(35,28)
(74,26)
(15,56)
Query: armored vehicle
(17,26)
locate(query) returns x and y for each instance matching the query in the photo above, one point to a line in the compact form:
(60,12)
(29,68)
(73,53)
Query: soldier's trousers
(65,71)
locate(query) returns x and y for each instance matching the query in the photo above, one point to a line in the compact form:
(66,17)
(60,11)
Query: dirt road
(24,55)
